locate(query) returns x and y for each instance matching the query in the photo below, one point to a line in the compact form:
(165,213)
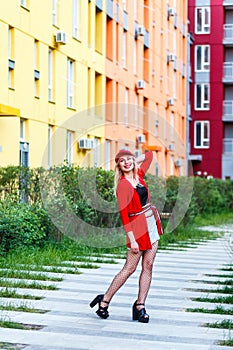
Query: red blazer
(129,202)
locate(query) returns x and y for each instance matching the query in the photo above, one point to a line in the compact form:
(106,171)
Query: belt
(148,206)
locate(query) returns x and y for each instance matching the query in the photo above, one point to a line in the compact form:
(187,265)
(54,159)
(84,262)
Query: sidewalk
(72,324)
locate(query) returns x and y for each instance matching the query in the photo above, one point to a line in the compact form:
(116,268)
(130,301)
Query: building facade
(146,53)
(211,94)
(81,79)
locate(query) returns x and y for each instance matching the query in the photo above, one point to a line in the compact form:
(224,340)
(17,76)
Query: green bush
(22,225)
(36,201)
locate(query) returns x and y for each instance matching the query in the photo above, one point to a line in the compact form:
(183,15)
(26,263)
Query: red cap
(123,152)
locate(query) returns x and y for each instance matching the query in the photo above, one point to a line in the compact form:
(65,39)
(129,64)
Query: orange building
(146,44)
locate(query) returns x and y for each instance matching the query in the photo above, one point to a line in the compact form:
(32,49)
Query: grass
(9,293)
(225,290)
(16,325)
(68,256)
(225,324)
(27,275)
(218,310)
(25,284)
(226,342)
(22,307)
(11,346)
(221,300)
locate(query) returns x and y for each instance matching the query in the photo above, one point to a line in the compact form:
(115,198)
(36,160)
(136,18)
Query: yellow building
(81,79)
(51,69)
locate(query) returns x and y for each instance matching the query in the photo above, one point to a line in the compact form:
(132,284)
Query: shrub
(22,224)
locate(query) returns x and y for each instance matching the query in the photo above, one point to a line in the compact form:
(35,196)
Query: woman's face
(126,164)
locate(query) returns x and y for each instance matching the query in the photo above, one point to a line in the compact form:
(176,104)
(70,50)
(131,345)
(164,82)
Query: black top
(143,194)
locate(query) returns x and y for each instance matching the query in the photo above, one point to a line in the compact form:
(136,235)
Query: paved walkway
(72,324)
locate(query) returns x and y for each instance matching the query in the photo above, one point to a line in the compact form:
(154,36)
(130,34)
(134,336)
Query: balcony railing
(228,3)
(228,33)
(228,71)
(227,108)
(228,147)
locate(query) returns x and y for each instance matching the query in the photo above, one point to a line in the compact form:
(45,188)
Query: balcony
(228,4)
(228,147)
(227,111)
(228,73)
(228,35)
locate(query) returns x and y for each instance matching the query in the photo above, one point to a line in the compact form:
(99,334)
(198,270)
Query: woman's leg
(146,274)
(130,266)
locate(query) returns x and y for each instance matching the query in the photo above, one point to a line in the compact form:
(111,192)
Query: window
(69,147)
(24,3)
(96,152)
(11,61)
(124,3)
(172,119)
(24,154)
(50,75)
(22,129)
(70,83)
(107,154)
(50,146)
(201,134)
(76,19)
(136,113)
(36,69)
(135,58)
(55,12)
(124,44)
(202,96)
(202,58)
(98,30)
(126,107)
(202,20)
(135,9)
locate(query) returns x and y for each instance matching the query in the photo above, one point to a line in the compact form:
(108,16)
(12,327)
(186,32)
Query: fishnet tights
(128,269)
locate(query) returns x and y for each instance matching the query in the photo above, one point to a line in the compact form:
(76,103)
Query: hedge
(29,198)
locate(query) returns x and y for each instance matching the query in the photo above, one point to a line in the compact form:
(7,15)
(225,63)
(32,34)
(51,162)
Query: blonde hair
(119,173)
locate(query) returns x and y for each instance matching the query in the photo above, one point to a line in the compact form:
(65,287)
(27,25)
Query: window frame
(69,146)
(205,66)
(50,146)
(55,13)
(124,49)
(203,139)
(70,82)
(76,18)
(50,75)
(205,26)
(203,100)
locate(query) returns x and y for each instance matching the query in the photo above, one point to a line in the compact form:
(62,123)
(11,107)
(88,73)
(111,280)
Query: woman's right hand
(134,247)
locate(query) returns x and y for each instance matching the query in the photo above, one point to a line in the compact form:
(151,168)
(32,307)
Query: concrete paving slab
(71,324)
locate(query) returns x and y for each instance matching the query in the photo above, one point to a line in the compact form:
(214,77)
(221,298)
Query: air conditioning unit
(140,84)
(86,144)
(170,101)
(141,30)
(137,153)
(141,138)
(179,163)
(61,37)
(171,57)
(171,12)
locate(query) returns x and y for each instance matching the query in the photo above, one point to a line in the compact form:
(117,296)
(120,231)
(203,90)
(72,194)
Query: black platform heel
(102,311)
(139,315)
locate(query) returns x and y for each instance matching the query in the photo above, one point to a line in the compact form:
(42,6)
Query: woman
(142,233)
